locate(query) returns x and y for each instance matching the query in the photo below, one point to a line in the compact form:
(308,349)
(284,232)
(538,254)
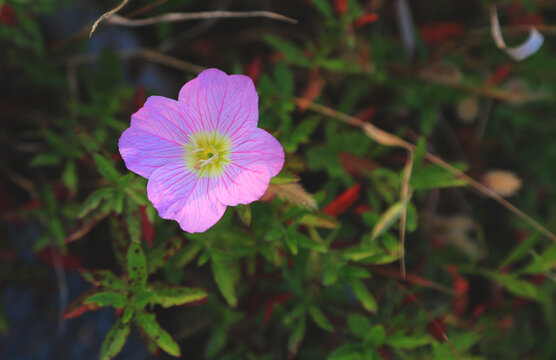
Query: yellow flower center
(208,153)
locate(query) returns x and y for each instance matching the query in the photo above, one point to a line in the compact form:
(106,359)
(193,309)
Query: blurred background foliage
(312,270)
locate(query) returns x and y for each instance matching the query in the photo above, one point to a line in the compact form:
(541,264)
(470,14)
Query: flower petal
(143,152)
(253,162)
(180,195)
(168,119)
(225,103)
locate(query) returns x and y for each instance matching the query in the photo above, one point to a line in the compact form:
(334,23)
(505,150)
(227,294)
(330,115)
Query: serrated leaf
(107,298)
(94,200)
(164,252)
(114,341)
(363,295)
(223,278)
(106,169)
(152,329)
(133,221)
(77,307)
(168,296)
(136,266)
(320,319)
(104,278)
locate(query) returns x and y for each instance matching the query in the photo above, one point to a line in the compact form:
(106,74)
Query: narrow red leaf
(499,75)
(437,329)
(341,6)
(8,16)
(313,89)
(253,68)
(343,202)
(272,302)
(436,33)
(356,165)
(365,20)
(139,98)
(77,308)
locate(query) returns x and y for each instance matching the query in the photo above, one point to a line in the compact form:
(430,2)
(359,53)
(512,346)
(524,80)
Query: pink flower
(203,152)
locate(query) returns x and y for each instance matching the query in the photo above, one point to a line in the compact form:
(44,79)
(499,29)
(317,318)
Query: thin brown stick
(395,141)
(145,9)
(431,318)
(175,17)
(107,15)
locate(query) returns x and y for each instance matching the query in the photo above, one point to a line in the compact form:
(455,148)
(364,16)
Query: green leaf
(357,253)
(45,160)
(356,272)
(307,243)
(420,153)
(69,177)
(400,341)
(187,254)
(376,337)
(363,295)
(296,336)
(292,237)
(359,326)
(168,296)
(152,329)
(434,177)
(320,319)
(94,200)
(107,298)
(513,284)
(284,79)
(223,278)
(133,221)
(542,263)
(387,219)
(244,213)
(104,278)
(137,266)
(114,341)
(106,169)
(290,50)
(163,252)
(284,178)
(522,249)
(216,342)
(346,352)
(323,6)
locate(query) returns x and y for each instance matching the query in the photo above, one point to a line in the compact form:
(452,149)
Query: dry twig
(107,15)
(175,17)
